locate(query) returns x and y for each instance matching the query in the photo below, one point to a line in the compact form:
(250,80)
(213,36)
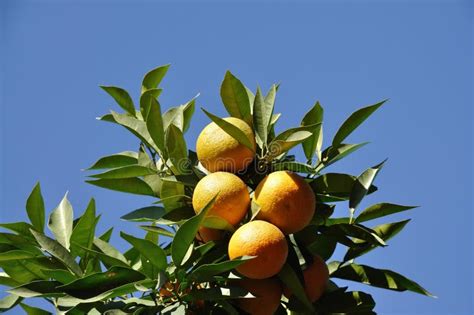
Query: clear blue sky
(347,55)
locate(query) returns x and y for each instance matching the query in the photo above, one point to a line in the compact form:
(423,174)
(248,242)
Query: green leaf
(323,245)
(83,232)
(95,284)
(186,234)
(362,185)
(354,120)
(7,280)
(35,208)
(15,254)
(22,228)
(172,195)
(121,97)
(290,279)
(232,130)
(9,302)
(145,101)
(262,114)
(60,222)
(30,310)
(176,148)
(60,275)
(207,271)
(145,214)
(294,167)
(235,98)
(147,249)
(216,222)
(180,115)
(380,210)
(154,124)
(335,185)
(116,160)
(106,236)
(57,250)
(37,288)
(313,144)
(23,271)
(380,278)
(289,138)
(333,154)
(157,230)
(153,78)
(341,302)
(384,231)
(109,259)
(358,231)
(129,185)
(128,171)
(109,250)
(135,126)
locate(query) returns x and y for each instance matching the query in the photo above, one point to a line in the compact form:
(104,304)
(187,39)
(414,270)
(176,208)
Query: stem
(351,215)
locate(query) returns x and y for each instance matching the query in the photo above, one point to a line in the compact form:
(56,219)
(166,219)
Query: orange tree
(237,227)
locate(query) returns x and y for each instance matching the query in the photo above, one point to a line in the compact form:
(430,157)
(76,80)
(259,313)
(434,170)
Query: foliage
(169,271)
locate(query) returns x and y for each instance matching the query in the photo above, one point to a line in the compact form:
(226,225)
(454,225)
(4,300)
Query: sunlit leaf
(381,278)
(129,185)
(154,124)
(101,282)
(153,78)
(313,144)
(30,310)
(186,234)
(147,249)
(235,98)
(354,120)
(57,250)
(116,160)
(35,208)
(145,214)
(362,185)
(380,210)
(121,97)
(83,232)
(60,222)
(232,130)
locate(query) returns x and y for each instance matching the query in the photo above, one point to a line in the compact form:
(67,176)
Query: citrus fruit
(219,151)
(286,200)
(206,234)
(232,201)
(316,277)
(263,240)
(267,293)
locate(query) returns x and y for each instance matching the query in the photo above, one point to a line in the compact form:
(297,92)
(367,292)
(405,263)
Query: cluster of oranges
(287,205)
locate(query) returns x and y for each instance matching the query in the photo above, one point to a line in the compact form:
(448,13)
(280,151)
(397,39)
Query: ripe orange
(232,201)
(286,200)
(263,240)
(219,151)
(267,293)
(316,277)
(206,234)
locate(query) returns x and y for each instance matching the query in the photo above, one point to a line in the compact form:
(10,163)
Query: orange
(206,234)
(263,240)
(232,201)
(316,277)
(219,151)
(267,293)
(286,200)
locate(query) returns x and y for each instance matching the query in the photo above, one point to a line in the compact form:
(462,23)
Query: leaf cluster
(170,271)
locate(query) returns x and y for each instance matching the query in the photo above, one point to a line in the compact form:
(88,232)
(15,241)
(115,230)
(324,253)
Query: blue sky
(345,54)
